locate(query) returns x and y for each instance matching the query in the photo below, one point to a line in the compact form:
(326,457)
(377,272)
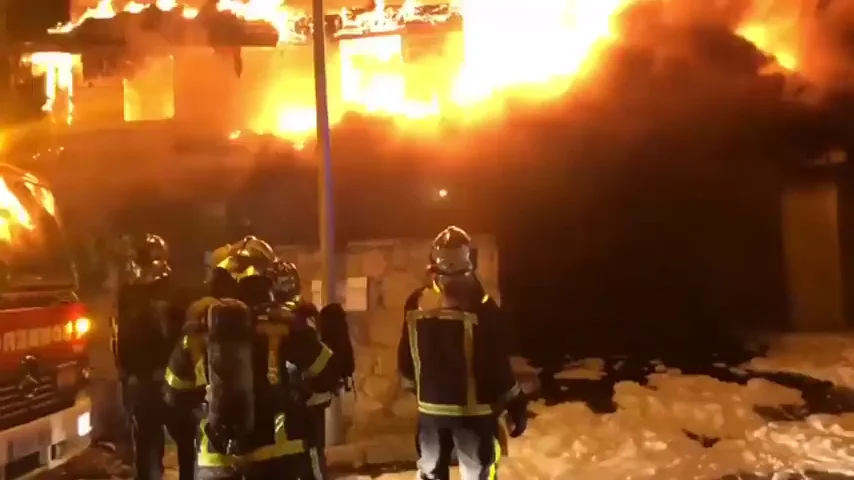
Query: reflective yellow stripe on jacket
(319,362)
(319,399)
(199,372)
(282,447)
(469,320)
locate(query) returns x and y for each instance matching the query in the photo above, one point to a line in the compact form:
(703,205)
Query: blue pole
(326,211)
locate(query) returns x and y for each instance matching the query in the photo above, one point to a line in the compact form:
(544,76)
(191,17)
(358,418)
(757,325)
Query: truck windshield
(33,251)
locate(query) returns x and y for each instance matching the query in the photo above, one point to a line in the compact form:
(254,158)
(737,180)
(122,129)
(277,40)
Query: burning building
(155,86)
(165,60)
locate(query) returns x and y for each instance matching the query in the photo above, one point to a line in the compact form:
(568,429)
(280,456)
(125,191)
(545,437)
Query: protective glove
(517,415)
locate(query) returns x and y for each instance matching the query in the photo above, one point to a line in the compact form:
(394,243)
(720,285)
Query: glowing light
(84,424)
(82,326)
(58,70)
(507,48)
(442,193)
(761,36)
(12,213)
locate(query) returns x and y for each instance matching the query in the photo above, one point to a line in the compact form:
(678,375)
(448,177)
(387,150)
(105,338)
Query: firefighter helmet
(249,257)
(287,281)
(452,253)
(145,258)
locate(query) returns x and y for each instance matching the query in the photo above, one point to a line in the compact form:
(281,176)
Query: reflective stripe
(319,399)
(283,446)
(319,362)
(485,298)
(443,314)
(416,355)
(199,378)
(469,320)
(493,469)
(274,332)
(435,408)
(200,373)
(315,464)
(468,351)
(174,381)
(455,410)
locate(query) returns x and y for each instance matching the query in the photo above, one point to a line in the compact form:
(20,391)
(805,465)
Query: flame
(104,9)
(58,70)
(12,213)
(373,78)
(281,17)
(44,197)
(274,12)
(534,48)
(776,28)
(497,59)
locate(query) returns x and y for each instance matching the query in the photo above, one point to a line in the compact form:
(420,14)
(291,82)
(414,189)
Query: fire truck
(44,412)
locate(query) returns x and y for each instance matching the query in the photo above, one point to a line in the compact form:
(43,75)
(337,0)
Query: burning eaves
(239,23)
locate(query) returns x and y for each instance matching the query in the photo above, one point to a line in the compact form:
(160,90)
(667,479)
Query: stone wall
(393,269)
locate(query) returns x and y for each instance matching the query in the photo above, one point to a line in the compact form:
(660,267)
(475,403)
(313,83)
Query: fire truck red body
(44,413)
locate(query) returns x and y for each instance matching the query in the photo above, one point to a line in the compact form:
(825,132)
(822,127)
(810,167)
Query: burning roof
(533,49)
(256,22)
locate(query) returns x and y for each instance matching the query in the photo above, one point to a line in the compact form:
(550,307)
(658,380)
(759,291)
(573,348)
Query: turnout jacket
(281,426)
(308,311)
(457,361)
(145,328)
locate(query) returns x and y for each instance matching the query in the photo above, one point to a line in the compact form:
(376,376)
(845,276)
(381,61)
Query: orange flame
(12,213)
(492,62)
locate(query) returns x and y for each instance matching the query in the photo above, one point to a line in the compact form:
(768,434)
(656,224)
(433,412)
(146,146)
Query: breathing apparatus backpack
(335,333)
(231,399)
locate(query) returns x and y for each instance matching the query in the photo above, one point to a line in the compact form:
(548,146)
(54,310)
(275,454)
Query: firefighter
(453,355)
(234,358)
(287,293)
(146,326)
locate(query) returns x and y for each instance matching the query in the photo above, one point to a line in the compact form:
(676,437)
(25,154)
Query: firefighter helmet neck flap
(145,259)
(453,262)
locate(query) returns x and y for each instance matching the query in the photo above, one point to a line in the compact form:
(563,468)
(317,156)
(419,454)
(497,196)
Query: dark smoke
(642,207)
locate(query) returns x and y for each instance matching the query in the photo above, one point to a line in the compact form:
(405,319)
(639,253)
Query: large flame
(12,213)
(508,48)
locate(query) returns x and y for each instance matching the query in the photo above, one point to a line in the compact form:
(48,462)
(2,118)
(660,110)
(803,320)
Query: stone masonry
(393,268)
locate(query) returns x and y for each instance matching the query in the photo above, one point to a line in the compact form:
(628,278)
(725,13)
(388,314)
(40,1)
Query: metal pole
(324,158)
(326,211)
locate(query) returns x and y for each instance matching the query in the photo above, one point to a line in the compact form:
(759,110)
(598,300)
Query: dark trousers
(289,467)
(475,440)
(151,418)
(317,416)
